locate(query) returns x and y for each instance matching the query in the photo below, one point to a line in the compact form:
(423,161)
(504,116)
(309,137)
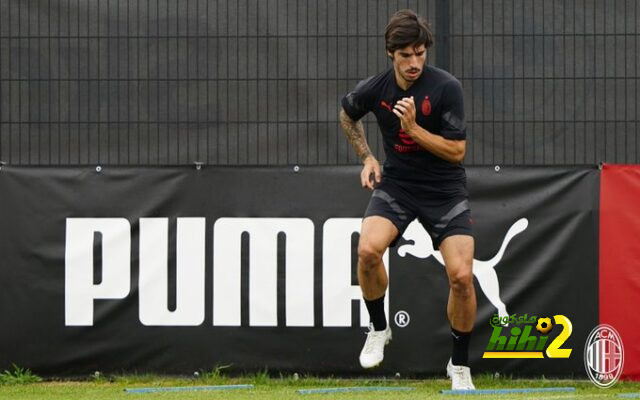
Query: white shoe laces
(461,378)
(375,340)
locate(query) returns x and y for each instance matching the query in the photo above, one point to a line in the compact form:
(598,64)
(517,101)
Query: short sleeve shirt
(439,109)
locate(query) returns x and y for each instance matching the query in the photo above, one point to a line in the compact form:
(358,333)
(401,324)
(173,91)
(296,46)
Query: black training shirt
(439,109)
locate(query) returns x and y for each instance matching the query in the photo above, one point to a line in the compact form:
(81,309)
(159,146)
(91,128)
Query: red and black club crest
(426,106)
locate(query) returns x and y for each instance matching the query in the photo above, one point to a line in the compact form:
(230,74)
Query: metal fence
(549,82)
(258,82)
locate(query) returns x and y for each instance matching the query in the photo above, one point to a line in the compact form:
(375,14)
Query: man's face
(408,62)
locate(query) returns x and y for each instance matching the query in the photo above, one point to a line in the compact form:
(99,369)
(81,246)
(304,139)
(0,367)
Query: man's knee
(369,257)
(461,278)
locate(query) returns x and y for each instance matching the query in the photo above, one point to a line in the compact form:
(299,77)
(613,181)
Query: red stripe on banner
(620,258)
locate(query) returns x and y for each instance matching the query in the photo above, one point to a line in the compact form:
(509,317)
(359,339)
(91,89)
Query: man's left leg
(457,251)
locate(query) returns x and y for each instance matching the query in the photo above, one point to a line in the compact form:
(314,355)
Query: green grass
(18,376)
(101,387)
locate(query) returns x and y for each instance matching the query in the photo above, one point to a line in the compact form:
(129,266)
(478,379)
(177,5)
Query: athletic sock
(460,352)
(376,313)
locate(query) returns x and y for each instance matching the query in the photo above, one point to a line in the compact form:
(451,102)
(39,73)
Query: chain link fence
(252,82)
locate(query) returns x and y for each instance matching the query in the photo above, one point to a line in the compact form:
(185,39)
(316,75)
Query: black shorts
(441,216)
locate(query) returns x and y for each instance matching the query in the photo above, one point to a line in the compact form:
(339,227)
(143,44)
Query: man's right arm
(354,130)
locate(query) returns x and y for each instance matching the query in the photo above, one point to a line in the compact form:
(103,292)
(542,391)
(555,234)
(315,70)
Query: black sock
(460,352)
(376,313)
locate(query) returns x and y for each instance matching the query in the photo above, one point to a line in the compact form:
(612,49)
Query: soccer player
(419,109)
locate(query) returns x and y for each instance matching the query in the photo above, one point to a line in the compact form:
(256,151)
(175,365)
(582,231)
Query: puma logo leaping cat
(422,247)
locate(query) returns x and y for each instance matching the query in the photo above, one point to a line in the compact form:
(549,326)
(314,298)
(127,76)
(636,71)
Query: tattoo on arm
(354,130)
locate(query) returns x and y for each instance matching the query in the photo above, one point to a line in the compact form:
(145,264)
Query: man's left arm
(452,150)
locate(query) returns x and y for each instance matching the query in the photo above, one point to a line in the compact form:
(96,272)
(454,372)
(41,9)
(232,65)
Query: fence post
(442,34)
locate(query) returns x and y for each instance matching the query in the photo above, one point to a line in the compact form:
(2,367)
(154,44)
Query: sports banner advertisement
(179,269)
(620,262)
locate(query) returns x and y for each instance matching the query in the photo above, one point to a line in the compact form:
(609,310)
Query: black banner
(174,270)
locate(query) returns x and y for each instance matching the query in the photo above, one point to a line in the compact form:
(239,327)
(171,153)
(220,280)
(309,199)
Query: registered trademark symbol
(402,318)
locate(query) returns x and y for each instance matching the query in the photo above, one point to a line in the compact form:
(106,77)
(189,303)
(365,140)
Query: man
(420,112)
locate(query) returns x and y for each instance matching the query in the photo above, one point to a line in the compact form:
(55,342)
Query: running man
(419,109)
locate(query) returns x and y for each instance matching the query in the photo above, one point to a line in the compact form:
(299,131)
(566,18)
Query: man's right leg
(376,234)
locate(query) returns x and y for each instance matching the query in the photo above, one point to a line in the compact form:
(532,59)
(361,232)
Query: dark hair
(406,28)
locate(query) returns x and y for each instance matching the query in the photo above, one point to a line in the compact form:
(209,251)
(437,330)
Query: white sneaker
(373,351)
(460,377)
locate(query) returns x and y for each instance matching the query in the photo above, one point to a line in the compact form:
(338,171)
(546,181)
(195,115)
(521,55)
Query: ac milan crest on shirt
(426,106)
